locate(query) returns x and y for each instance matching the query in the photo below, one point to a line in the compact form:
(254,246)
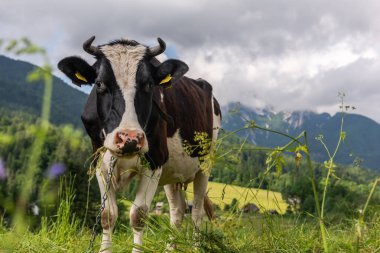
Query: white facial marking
(124,61)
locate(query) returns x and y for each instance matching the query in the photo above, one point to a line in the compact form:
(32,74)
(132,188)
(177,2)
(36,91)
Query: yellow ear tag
(80,77)
(166,79)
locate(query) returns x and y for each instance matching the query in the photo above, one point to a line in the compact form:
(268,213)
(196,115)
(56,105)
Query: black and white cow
(141,107)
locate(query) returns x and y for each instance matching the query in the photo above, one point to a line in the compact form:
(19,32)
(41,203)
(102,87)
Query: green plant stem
(340,137)
(330,166)
(232,133)
(370,195)
(280,133)
(325,189)
(316,199)
(35,155)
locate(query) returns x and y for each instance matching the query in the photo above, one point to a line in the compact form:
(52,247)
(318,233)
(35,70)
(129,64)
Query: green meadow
(50,166)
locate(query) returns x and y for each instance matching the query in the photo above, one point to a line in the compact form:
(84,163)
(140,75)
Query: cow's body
(168,140)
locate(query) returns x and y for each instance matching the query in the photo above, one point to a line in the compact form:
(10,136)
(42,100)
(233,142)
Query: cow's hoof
(170,247)
(134,250)
(105,248)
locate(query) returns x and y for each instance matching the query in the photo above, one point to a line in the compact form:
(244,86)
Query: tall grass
(300,145)
(19,47)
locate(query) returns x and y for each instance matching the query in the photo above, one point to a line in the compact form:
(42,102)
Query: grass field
(255,233)
(223,194)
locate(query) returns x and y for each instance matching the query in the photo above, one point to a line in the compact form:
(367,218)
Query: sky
(285,55)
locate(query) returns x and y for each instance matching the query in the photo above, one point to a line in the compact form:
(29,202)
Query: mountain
(17,94)
(360,145)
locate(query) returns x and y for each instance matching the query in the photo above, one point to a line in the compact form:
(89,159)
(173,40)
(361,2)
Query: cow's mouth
(126,155)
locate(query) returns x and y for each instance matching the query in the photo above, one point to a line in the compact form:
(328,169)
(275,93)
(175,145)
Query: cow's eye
(148,87)
(100,86)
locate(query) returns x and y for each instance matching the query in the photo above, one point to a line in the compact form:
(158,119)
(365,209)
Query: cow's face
(124,78)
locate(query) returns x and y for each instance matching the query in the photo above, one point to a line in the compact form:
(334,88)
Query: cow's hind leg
(110,212)
(177,204)
(177,207)
(200,186)
(140,208)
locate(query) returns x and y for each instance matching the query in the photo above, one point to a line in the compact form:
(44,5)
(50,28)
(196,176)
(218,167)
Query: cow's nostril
(129,142)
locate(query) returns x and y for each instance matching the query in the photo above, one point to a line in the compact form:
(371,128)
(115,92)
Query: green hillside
(17,94)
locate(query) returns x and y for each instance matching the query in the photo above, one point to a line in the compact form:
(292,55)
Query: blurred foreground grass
(257,233)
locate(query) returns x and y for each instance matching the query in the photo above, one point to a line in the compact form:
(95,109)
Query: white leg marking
(176,203)
(200,186)
(144,196)
(177,207)
(110,212)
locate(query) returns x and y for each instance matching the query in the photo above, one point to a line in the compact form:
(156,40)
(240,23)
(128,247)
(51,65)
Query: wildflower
(3,172)
(35,209)
(56,170)
(298,158)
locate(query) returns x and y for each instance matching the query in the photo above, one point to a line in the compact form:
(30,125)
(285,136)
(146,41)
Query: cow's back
(191,105)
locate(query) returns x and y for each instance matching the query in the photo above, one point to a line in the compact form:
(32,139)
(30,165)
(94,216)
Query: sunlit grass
(250,233)
(223,194)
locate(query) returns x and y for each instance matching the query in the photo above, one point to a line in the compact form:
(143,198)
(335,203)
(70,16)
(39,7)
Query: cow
(143,110)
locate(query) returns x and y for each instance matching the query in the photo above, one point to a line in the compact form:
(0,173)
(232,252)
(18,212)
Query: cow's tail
(209,210)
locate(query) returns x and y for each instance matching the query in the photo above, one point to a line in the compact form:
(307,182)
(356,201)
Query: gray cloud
(290,54)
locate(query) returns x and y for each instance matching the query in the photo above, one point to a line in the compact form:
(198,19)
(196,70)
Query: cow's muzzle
(129,142)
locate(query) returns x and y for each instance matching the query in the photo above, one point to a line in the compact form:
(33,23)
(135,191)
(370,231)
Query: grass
(254,233)
(223,194)
(229,232)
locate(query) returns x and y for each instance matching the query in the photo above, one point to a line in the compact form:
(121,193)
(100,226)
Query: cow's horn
(89,48)
(154,51)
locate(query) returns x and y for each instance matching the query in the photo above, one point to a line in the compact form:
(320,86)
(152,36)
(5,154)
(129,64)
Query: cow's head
(125,74)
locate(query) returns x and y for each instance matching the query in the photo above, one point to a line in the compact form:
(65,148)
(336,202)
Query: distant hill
(361,144)
(17,94)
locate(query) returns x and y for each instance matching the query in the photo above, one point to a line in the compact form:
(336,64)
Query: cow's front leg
(110,212)
(140,208)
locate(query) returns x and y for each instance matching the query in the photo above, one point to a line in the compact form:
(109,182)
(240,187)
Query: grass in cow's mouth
(96,160)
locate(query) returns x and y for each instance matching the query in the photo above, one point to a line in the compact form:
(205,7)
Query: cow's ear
(78,70)
(170,71)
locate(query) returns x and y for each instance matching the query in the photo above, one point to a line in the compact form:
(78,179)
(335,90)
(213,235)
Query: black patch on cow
(149,110)
(156,133)
(189,104)
(217,110)
(110,100)
(91,121)
(144,92)
(72,65)
(132,43)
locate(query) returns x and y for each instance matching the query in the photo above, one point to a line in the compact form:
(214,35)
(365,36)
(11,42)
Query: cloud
(293,55)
